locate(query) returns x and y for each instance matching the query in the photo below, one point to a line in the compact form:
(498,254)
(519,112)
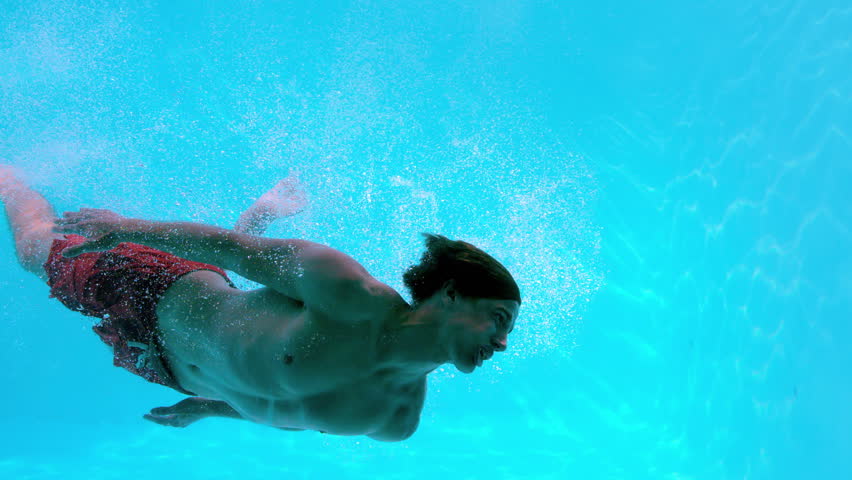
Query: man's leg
(31,219)
(285,199)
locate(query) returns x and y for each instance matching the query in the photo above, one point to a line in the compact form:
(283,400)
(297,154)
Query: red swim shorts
(122,287)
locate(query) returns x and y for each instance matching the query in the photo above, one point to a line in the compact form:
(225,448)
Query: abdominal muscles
(356,409)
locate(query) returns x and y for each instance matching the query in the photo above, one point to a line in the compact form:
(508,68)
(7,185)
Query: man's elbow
(407,434)
(395,435)
(390,439)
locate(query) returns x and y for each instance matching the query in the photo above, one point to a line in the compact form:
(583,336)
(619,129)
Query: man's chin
(465,367)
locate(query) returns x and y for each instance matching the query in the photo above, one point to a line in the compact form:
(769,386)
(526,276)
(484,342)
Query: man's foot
(31,219)
(9,177)
(283,200)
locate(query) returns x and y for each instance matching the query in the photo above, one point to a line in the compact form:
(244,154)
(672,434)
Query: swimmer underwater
(321,346)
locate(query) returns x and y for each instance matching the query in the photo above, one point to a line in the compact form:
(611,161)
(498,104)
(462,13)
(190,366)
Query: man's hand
(193,409)
(181,414)
(103,228)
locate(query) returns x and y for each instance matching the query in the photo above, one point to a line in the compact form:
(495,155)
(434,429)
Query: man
(321,346)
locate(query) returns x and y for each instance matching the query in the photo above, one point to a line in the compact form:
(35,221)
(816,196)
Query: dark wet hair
(474,272)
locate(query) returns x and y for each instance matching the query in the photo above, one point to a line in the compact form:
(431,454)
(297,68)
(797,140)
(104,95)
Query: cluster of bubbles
(529,204)
(385,150)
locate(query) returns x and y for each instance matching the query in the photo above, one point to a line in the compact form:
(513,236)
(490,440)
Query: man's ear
(449,290)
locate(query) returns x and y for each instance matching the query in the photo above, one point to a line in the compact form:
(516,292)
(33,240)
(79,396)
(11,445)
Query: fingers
(163,411)
(161,420)
(166,420)
(175,420)
(72,222)
(82,214)
(107,242)
(72,252)
(78,215)
(66,226)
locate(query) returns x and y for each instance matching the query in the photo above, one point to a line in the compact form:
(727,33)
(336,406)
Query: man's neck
(411,342)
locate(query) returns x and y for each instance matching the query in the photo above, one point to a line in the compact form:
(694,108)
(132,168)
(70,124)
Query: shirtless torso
(333,378)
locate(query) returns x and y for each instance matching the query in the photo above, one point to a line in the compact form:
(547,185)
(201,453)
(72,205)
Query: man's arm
(193,409)
(189,411)
(306,271)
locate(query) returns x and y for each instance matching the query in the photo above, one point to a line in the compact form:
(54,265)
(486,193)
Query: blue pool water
(668,182)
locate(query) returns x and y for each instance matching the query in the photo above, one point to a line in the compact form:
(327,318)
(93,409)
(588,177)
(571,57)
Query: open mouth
(482,355)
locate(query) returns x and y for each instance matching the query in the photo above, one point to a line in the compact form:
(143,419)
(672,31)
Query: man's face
(479,327)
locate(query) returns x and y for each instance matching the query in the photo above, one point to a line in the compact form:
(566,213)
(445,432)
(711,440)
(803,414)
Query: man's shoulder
(381,293)
(368,297)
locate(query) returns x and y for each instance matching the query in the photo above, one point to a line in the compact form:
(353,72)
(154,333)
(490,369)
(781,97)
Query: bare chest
(335,382)
(323,355)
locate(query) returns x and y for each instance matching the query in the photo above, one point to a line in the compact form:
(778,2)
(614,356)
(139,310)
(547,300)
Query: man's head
(477,296)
